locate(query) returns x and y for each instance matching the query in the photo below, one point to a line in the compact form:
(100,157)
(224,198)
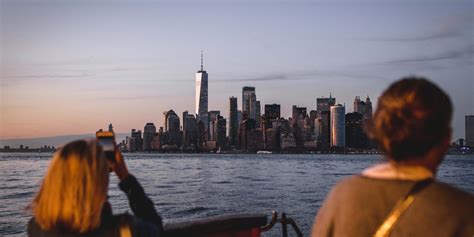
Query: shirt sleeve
(142,207)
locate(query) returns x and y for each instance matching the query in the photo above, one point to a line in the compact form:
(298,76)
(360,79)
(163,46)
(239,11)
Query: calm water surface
(185,186)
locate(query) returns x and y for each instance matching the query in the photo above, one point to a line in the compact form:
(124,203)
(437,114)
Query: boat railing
(242,225)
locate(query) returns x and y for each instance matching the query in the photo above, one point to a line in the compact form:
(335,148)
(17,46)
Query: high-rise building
(189,130)
(172,134)
(368,108)
(213,116)
(233,121)
(338,126)
(355,135)
(469,139)
(172,123)
(359,106)
(202,94)
(134,142)
(272,111)
(149,132)
(221,139)
(249,102)
(258,113)
(299,113)
(324,129)
(324,104)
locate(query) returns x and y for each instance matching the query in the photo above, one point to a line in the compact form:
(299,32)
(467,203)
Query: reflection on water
(185,186)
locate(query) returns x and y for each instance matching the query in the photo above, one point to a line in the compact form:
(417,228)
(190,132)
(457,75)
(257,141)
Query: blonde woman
(72,200)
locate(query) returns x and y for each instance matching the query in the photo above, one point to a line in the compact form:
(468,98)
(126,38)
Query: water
(187,186)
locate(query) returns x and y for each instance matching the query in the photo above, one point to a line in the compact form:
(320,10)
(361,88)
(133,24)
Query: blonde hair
(74,189)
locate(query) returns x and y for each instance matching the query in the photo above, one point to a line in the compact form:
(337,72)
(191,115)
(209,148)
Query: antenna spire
(202,61)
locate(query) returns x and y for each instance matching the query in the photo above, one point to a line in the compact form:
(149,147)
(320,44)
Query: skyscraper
(298,113)
(355,135)
(359,106)
(212,132)
(338,126)
(233,121)
(189,130)
(323,104)
(249,102)
(469,130)
(272,111)
(202,94)
(171,121)
(368,108)
(148,134)
(258,113)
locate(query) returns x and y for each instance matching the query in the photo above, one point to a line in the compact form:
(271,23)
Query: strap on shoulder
(386,228)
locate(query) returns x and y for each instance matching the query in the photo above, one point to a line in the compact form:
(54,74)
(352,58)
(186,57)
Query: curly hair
(413,115)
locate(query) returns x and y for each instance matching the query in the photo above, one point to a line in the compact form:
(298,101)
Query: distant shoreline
(39,150)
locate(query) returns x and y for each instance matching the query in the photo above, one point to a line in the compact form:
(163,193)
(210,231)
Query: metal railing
(285,221)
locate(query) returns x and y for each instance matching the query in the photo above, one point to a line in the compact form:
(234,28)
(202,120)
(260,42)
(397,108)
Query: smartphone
(107,141)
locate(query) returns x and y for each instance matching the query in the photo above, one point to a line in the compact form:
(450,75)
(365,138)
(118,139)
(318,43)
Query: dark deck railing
(243,225)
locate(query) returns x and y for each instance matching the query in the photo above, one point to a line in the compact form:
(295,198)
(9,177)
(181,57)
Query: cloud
(46,76)
(128,98)
(300,75)
(466,52)
(448,27)
(10,80)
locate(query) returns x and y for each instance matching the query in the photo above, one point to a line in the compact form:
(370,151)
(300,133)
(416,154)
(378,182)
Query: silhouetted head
(413,117)
(74,189)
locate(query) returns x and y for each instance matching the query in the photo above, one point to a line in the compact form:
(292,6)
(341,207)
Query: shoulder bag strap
(386,228)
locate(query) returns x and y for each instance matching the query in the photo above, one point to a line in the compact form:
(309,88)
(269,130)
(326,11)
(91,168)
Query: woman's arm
(140,204)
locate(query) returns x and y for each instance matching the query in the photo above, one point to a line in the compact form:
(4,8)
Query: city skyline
(102,68)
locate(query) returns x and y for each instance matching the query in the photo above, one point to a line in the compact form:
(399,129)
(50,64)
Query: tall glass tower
(338,126)
(201,95)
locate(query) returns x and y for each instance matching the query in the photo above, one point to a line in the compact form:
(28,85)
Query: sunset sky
(72,67)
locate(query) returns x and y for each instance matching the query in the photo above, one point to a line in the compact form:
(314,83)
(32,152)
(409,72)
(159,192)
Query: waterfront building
(469,123)
(338,125)
(200,136)
(363,108)
(298,113)
(202,94)
(249,102)
(172,123)
(149,132)
(272,111)
(233,121)
(212,131)
(221,131)
(189,131)
(158,140)
(258,113)
(324,131)
(368,109)
(239,119)
(322,122)
(250,138)
(324,104)
(355,135)
(134,142)
(288,141)
(359,106)
(172,131)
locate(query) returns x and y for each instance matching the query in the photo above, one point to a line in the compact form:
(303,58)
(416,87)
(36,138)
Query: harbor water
(190,186)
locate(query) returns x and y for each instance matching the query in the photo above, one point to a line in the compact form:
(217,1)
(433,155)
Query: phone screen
(108,145)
